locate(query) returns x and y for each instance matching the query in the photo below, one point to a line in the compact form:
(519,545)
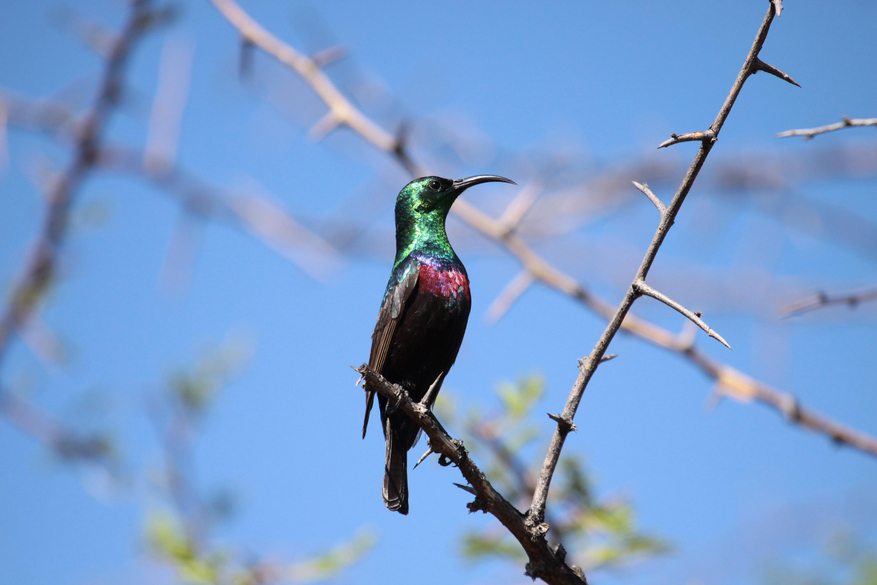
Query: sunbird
(422,318)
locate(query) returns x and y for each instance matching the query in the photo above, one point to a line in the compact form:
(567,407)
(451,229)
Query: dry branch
(536,513)
(820,300)
(536,266)
(39,270)
(544,562)
(809,133)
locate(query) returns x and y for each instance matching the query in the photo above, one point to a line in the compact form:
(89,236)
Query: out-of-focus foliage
(180,533)
(168,541)
(847,561)
(597,532)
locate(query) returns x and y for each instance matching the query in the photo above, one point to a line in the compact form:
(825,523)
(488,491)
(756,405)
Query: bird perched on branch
(422,319)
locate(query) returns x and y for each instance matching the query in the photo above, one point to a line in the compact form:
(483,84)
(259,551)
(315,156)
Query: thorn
(329,56)
(718,338)
(563,423)
(424,456)
(644,187)
(762,66)
(777,6)
(608,357)
(689,137)
(642,288)
(791,409)
(360,379)
(245,65)
(429,397)
(467,488)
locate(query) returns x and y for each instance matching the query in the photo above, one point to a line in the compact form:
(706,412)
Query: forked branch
(536,513)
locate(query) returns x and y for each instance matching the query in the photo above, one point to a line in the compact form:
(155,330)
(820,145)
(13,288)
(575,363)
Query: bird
(422,318)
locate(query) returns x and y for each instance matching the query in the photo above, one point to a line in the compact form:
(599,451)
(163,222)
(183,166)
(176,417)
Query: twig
(536,513)
(762,66)
(544,563)
(852,300)
(644,289)
(652,197)
(253,210)
(512,291)
(344,111)
(809,133)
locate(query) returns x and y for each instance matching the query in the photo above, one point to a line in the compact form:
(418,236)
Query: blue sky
(596,84)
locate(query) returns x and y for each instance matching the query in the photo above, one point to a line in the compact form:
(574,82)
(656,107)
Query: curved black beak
(461,185)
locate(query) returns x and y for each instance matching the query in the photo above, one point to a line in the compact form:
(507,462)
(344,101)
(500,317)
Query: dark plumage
(422,318)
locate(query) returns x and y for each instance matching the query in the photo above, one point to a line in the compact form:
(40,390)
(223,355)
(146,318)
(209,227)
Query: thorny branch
(809,133)
(536,514)
(544,563)
(535,267)
(343,112)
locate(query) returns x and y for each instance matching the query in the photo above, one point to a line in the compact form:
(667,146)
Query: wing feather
(392,310)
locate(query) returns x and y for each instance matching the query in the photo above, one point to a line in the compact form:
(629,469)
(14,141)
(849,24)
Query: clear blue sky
(603,81)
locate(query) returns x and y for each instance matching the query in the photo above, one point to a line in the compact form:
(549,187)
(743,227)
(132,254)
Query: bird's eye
(435,185)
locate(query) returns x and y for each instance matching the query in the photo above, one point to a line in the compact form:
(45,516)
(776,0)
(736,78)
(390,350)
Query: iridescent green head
(421,210)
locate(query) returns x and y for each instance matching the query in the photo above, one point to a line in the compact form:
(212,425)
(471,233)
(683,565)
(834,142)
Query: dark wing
(389,316)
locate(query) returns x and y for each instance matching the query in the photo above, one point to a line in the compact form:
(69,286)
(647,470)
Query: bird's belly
(427,341)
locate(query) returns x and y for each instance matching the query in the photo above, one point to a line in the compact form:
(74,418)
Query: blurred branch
(742,388)
(252,208)
(544,563)
(39,270)
(66,443)
(536,513)
(820,300)
(809,133)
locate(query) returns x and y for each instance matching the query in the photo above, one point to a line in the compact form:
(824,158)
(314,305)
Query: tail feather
(395,490)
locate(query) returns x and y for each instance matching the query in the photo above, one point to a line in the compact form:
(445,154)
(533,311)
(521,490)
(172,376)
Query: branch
(809,133)
(742,388)
(544,563)
(253,210)
(536,513)
(644,289)
(342,110)
(39,270)
(533,263)
(820,300)
(644,187)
